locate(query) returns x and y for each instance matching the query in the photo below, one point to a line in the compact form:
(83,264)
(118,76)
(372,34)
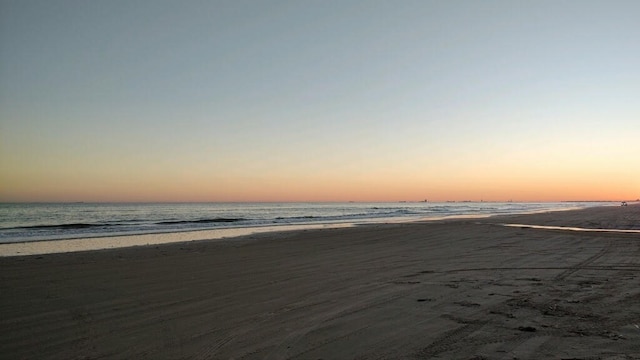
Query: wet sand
(457,289)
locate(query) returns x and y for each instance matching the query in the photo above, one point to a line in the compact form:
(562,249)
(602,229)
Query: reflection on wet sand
(571,228)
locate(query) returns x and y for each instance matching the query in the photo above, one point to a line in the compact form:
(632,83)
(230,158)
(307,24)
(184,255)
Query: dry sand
(460,289)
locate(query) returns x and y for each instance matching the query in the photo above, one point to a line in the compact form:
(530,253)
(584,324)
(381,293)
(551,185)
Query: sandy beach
(454,289)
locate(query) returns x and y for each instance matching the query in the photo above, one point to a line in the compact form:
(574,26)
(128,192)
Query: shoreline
(460,288)
(98,243)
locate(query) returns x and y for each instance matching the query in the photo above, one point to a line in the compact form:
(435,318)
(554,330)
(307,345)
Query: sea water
(29,222)
(43,228)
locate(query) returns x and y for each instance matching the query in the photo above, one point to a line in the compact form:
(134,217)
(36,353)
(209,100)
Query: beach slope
(457,289)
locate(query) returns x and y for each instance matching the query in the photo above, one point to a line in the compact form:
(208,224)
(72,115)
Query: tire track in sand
(583,264)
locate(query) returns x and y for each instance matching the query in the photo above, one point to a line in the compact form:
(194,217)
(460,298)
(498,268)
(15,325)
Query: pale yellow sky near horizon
(319,101)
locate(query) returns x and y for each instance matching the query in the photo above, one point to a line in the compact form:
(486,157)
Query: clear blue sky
(319,100)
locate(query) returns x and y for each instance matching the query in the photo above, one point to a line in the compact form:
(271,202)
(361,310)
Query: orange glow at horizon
(372,187)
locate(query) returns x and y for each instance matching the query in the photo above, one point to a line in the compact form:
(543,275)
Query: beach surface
(451,289)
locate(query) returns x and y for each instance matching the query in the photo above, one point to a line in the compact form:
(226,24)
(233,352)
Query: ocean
(33,222)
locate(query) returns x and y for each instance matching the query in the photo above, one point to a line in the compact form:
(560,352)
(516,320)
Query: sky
(310,100)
